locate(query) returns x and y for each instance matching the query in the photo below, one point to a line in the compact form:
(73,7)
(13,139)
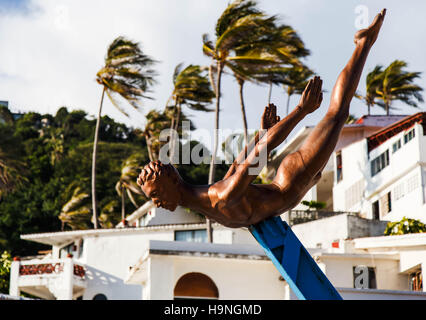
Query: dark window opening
(416,281)
(339,171)
(376,213)
(379,163)
(409,135)
(191,235)
(396,146)
(385,204)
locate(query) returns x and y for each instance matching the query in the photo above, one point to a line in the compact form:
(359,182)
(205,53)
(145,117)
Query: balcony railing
(302,216)
(62,279)
(28,268)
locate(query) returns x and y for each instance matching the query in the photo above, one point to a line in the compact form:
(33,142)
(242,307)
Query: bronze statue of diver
(234,201)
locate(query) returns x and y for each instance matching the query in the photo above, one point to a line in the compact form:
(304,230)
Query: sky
(52,50)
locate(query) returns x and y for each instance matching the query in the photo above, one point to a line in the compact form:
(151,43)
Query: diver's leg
(316,150)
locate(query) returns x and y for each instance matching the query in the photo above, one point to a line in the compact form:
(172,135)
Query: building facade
(383,176)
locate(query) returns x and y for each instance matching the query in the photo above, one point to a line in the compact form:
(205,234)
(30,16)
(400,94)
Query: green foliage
(383,86)
(317,205)
(191,87)
(127,73)
(404,226)
(5,265)
(49,156)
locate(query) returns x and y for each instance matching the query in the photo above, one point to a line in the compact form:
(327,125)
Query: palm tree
(76,211)
(156,122)
(397,84)
(191,87)
(373,81)
(289,49)
(12,169)
(295,83)
(234,27)
(127,73)
(266,58)
(239,20)
(245,36)
(127,183)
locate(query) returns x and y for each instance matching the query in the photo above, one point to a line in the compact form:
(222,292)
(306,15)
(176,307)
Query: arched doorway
(195,285)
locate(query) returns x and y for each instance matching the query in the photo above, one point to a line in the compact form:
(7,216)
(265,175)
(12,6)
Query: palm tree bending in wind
(393,83)
(191,87)
(127,73)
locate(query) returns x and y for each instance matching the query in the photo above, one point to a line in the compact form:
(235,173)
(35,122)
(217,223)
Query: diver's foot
(369,35)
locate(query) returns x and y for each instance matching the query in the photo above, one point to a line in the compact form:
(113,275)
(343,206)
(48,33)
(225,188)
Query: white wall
(235,279)
(339,271)
(108,258)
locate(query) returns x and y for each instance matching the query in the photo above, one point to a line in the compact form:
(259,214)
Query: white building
(322,191)
(172,261)
(164,255)
(383,176)
(140,262)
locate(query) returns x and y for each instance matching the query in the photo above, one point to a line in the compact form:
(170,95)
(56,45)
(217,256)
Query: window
(364,277)
(80,248)
(375,209)
(396,146)
(385,204)
(416,281)
(191,235)
(399,191)
(379,163)
(412,183)
(353,194)
(339,172)
(409,135)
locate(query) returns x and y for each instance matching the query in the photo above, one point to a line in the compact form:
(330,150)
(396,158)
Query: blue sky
(52,49)
(10,5)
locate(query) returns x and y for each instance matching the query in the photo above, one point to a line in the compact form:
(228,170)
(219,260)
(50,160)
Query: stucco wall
(235,279)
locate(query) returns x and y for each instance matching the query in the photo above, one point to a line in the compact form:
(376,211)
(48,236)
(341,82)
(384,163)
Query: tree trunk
(215,144)
(132,199)
(216,133)
(288,105)
(123,207)
(172,127)
(243,110)
(95,149)
(212,79)
(176,128)
(149,147)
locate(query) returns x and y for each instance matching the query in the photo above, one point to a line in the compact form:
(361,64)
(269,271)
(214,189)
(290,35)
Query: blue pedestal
(293,261)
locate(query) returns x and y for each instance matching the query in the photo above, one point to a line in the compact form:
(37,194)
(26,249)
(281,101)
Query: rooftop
(379,137)
(65,237)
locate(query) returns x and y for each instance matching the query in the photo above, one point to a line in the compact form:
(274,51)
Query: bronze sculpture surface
(234,201)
